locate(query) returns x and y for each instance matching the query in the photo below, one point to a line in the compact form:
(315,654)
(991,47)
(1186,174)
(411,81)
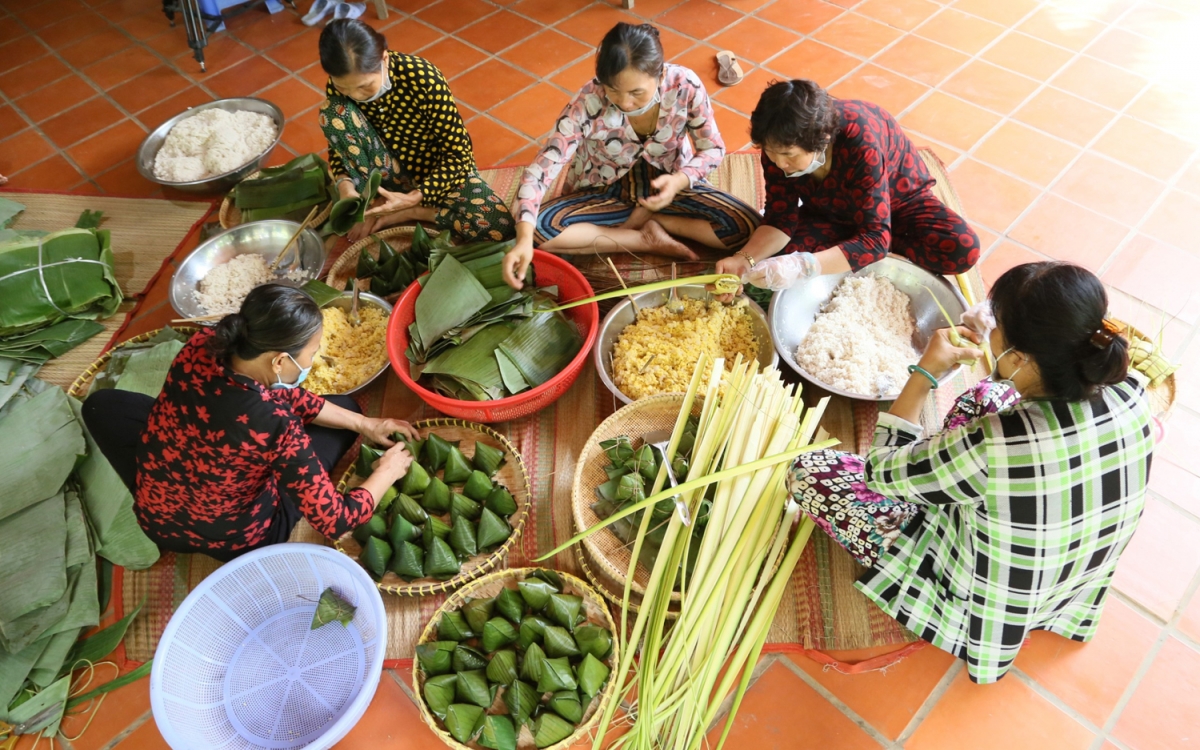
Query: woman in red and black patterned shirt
(845,186)
(233,452)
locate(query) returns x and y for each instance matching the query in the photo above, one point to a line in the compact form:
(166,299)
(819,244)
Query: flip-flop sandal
(731,72)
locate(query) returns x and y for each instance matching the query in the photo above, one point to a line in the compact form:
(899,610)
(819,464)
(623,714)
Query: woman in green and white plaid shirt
(1012,518)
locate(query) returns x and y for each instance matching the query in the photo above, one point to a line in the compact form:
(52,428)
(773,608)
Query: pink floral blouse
(608,147)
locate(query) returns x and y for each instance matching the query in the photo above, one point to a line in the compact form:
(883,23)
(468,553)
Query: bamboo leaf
(120,682)
(726,283)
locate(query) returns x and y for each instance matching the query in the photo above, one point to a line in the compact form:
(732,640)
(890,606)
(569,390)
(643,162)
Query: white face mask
(995,376)
(384,87)
(817,162)
(649,106)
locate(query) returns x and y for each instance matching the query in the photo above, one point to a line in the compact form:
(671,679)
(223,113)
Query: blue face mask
(817,162)
(300,379)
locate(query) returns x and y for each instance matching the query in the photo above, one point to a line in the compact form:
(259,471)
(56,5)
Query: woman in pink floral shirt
(637,181)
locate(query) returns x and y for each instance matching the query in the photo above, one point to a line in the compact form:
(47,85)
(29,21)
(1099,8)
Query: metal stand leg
(196,32)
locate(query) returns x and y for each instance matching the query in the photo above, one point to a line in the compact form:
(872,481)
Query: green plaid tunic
(1024,515)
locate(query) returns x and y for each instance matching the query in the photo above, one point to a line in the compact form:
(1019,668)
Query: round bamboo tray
(1162,396)
(230,215)
(345,267)
(597,614)
(80,387)
(603,551)
(512,475)
(612,590)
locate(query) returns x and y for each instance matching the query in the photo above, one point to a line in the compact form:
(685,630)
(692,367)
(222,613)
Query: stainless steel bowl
(364,300)
(792,311)
(266,238)
(623,314)
(218,183)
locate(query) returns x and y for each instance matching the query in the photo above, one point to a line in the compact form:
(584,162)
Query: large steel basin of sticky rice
(793,310)
(266,238)
(623,315)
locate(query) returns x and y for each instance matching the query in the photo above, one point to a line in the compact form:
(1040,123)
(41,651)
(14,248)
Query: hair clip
(1105,334)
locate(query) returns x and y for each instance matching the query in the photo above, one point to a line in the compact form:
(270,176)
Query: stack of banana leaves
(476,339)
(391,272)
(630,473)
(54,285)
(284,192)
(58,511)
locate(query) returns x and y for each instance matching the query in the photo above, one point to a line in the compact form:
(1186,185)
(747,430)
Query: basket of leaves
(386,262)
(452,518)
(521,658)
(288,191)
(152,351)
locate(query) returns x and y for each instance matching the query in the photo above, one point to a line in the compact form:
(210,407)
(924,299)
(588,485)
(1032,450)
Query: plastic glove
(980,318)
(782,271)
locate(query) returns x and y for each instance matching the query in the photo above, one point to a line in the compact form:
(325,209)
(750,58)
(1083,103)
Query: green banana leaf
(15,667)
(321,292)
(34,574)
(147,370)
(542,346)
(9,210)
(40,442)
(39,346)
(56,694)
(450,297)
(350,211)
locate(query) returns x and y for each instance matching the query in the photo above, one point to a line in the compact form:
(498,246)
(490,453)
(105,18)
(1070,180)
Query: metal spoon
(354,317)
(659,440)
(674,304)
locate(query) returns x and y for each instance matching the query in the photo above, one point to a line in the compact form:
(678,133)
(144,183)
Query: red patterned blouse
(219,448)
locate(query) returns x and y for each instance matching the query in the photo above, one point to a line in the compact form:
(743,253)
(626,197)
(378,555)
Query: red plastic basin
(549,270)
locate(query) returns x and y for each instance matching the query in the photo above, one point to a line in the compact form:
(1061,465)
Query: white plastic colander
(238,667)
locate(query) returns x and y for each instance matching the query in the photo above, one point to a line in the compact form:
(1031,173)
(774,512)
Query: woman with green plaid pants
(1013,517)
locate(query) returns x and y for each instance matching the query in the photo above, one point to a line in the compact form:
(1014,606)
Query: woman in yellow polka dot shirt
(394,113)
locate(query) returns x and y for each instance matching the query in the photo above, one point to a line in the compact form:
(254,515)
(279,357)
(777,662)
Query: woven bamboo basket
(230,215)
(1162,397)
(597,614)
(80,387)
(345,267)
(604,552)
(512,475)
(613,590)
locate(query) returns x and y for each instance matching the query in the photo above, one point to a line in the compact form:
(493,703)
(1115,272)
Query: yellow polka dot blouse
(420,124)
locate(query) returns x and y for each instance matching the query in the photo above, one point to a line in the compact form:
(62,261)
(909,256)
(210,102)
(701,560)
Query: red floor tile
(947,154)
(1131,52)
(113,71)
(55,173)
(147,25)
(858,35)
(652,8)
(815,61)
(494,143)
(107,149)
(1092,677)
(804,16)
(699,18)
(80,122)
(990,86)
(499,30)
(145,737)
(901,14)
(964,32)
(883,87)
(1004,256)
(316,76)
(1161,715)
(25,148)
(989,197)
(1171,481)
(10,29)
(549,11)
(246,78)
(304,136)
(1144,147)
(452,57)
(39,16)
(1189,623)
(120,709)
(574,77)
(1172,109)
(1062,27)
(768,717)
(51,100)
(489,84)
(673,43)
(21,51)
(1007,714)
(1164,554)
(1068,232)
(533,112)
(909,683)
(410,35)
(1168,221)
(72,29)
(702,60)
(168,108)
(124,179)
(272,29)
(32,76)
(222,53)
(1006,13)
(301,51)
(1064,115)
(1099,82)
(392,721)
(11,121)
(149,89)
(744,96)
(1027,55)
(1027,153)
(293,97)
(590,25)
(922,60)
(734,127)
(1158,274)
(951,120)
(754,40)
(452,15)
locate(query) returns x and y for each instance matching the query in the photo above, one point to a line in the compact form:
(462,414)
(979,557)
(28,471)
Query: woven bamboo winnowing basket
(603,552)
(512,475)
(597,614)
(230,215)
(345,267)
(80,387)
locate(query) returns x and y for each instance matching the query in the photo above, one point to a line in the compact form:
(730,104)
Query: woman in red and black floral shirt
(233,452)
(845,186)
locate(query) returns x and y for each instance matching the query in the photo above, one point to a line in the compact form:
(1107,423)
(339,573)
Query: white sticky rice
(223,288)
(212,142)
(862,341)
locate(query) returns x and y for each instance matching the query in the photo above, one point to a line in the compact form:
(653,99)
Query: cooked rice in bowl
(862,341)
(349,355)
(223,288)
(658,352)
(212,142)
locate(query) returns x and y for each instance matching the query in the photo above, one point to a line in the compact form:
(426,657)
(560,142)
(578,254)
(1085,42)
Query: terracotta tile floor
(1071,128)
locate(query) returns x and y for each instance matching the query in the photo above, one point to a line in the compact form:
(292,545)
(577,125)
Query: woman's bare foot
(659,242)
